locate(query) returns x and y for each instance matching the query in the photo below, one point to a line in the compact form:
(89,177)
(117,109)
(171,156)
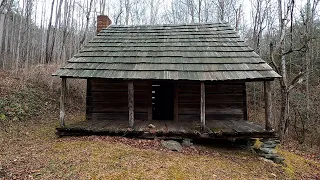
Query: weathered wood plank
(219,128)
(250,126)
(218,98)
(96,125)
(188,97)
(211,110)
(238,127)
(131,103)
(189,117)
(224,116)
(62,101)
(257,127)
(80,125)
(107,124)
(118,116)
(189,88)
(203,107)
(108,85)
(110,116)
(103,81)
(214,129)
(223,88)
(140,115)
(141,125)
(235,97)
(116,127)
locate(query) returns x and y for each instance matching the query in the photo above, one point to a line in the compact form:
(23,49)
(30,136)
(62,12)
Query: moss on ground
(41,155)
(298,166)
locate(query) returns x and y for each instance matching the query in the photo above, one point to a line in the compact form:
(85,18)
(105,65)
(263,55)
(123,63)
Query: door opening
(162,100)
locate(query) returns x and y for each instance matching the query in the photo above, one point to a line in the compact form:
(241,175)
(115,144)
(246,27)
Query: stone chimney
(102,22)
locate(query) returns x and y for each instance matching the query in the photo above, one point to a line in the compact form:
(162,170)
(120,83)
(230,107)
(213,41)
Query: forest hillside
(31,150)
(38,36)
(284,33)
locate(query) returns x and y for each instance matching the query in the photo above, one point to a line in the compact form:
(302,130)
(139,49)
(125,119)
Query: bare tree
(127,6)
(279,56)
(48,53)
(87,11)
(308,36)
(259,14)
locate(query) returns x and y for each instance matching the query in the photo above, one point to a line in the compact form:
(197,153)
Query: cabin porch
(214,129)
(172,109)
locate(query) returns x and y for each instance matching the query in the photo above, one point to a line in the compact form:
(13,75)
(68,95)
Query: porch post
(131,103)
(203,107)
(268,105)
(62,101)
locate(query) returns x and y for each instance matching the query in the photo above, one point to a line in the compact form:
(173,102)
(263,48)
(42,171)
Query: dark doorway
(162,100)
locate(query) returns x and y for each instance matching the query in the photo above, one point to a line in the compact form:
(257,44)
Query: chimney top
(103,21)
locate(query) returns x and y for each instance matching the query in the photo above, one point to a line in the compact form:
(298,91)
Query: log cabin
(184,80)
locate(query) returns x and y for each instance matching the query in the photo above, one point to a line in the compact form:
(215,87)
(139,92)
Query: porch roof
(187,52)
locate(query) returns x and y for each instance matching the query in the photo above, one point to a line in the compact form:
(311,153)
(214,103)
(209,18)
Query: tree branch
(297,80)
(276,66)
(294,50)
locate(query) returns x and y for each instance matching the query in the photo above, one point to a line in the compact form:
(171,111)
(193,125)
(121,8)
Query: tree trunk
(56,27)
(87,23)
(127,7)
(2,17)
(283,112)
(47,52)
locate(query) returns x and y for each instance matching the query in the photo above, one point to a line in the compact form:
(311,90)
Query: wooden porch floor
(217,129)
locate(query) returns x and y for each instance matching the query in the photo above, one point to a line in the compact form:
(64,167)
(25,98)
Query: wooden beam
(176,102)
(62,101)
(268,105)
(203,106)
(150,101)
(131,103)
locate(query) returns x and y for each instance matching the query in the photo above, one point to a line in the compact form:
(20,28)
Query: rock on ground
(187,142)
(172,145)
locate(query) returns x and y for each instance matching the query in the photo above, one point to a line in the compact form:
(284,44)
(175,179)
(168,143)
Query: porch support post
(131,103)
(268,105)
(203,107)
(176,102)
(62,101)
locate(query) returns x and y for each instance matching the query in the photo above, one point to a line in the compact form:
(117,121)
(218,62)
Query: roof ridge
(172,25)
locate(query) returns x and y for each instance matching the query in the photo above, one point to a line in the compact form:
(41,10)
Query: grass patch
(25,103)
(41,155)
(298,166)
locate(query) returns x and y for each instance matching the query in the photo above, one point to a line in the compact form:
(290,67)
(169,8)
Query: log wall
(108,99)
(226,100)
(189,101)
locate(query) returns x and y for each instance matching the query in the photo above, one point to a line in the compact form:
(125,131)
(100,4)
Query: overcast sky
(166,4)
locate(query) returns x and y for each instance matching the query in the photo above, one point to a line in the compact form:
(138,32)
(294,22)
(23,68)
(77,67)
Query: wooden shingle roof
(187,52)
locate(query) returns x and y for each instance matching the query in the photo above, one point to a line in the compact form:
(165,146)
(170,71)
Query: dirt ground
(33,151)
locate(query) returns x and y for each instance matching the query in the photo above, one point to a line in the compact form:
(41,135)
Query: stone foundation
(267,148)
